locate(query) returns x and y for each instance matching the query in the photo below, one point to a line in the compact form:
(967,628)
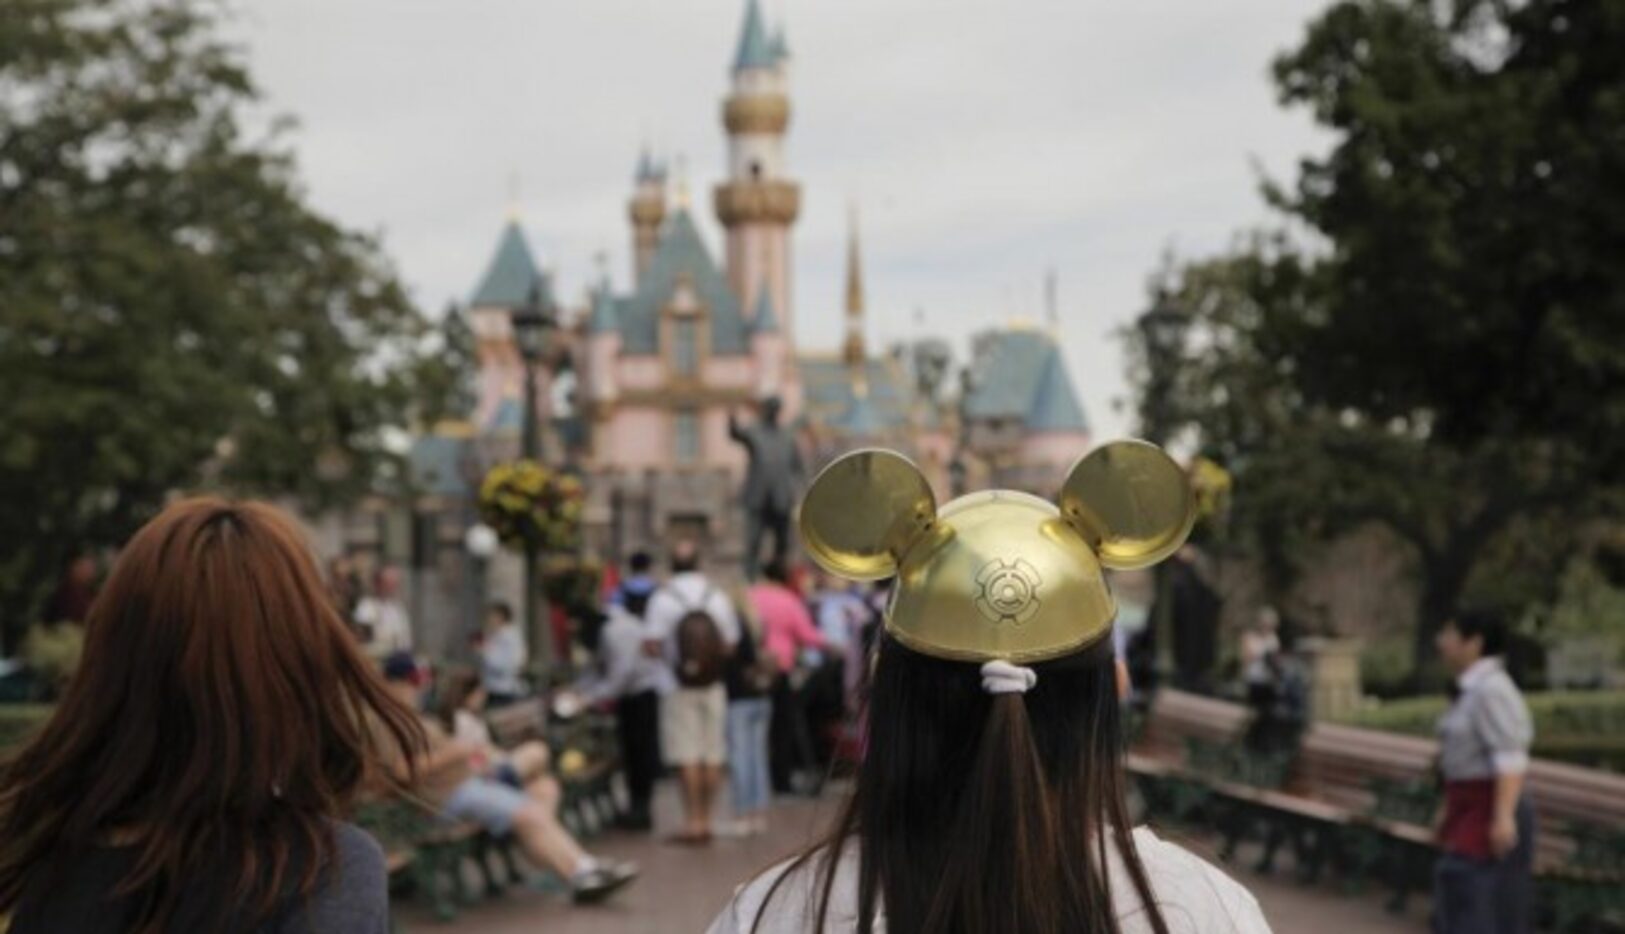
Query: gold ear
(863,512)
(1131,502)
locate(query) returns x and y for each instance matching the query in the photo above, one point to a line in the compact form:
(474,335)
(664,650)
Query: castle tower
(854,350)
(758,203)
(509,281)
(646,209)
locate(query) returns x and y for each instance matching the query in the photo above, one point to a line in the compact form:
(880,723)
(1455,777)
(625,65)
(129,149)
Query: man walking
(632,670)
(697,628)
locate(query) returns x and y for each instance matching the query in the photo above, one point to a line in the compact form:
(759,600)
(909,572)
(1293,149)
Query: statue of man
(770,482)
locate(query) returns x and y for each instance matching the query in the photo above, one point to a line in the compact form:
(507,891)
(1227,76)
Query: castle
(639,386)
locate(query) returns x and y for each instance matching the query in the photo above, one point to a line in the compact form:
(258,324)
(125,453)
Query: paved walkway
(682,889)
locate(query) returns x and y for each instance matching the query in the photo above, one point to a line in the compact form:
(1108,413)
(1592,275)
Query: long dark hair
(222,717)
(982,814)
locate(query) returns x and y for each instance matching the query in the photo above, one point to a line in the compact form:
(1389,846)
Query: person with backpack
(694,623)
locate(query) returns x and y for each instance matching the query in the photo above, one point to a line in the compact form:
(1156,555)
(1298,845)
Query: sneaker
(601,882)
(735,830)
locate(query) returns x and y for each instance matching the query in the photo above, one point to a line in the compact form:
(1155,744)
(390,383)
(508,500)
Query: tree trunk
(1442,584)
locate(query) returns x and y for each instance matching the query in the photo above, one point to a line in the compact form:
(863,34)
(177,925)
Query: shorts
(490,804)
(504,773)
(694,726)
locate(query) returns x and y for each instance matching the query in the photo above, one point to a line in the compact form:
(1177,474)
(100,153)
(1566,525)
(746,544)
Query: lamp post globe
(481,541)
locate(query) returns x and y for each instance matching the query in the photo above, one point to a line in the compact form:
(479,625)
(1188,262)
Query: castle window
(686,428)
(685,351)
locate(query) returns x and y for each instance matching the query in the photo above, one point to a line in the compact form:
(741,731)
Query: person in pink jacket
(787,628)
(787,625)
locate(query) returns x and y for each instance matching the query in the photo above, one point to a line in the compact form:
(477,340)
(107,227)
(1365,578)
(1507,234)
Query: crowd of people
(247,705)
(749,686)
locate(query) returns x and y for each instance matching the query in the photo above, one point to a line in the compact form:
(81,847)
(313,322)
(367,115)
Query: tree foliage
(1439,342)
(172,312)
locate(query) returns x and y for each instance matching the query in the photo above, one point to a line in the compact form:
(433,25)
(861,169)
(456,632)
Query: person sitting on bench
(462,713)
(450,776)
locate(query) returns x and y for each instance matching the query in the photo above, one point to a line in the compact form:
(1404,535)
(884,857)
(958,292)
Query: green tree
(172,313)
(1444,351)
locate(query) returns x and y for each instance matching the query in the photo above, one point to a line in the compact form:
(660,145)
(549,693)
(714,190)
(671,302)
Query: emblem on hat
(1008,591)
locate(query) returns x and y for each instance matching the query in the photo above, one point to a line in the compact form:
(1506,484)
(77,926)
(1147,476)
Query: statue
(770,482)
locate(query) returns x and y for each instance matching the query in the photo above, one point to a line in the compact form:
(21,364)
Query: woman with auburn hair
(990,798)
(195,774)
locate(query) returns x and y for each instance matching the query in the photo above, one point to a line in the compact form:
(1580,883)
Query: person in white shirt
(381,617)
(631,670)
(502,656)
(693,717)
(991,797)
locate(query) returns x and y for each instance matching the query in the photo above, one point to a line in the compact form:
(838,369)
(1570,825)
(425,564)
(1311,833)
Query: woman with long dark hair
(990,799)
(195,775)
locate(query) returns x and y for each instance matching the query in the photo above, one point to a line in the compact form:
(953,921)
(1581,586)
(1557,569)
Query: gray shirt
(352,897)
(1487,731)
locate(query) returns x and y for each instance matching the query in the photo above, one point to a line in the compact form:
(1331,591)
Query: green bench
(1363,801)
(429,855)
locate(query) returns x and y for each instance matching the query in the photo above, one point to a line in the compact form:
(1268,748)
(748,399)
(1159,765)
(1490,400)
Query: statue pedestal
(1334,676)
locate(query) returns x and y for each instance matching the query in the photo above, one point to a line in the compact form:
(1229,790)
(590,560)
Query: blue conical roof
(649,169)
(755,48)
(1055,407)
(1022,375)
(512,274)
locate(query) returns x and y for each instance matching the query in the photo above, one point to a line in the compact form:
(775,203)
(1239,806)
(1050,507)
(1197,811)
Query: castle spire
(758,202)
(855,351)
(646,210)
(756,50)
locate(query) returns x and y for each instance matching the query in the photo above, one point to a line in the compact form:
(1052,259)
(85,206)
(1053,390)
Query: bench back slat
(1339,764)
(517,722)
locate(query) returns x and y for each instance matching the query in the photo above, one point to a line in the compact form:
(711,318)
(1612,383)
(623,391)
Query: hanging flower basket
(524,502)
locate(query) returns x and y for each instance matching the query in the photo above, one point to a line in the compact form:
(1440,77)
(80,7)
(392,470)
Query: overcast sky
(983,141)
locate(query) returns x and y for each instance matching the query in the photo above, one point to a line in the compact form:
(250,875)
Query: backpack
(702,655)
(754,669)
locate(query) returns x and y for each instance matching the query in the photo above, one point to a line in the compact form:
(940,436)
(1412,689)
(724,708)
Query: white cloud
(984,141)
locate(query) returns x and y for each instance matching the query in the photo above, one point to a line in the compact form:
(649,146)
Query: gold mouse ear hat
(998,575)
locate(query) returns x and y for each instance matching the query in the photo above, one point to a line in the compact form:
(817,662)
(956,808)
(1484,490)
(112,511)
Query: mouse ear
(1131,502)
(864,511)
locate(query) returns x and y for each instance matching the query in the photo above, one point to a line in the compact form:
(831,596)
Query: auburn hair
(221,719)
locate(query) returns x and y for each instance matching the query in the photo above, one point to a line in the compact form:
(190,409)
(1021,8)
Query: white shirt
(1195,897)
(468,727)
(680,596)
(1488,730)
(1256,647)
(502,661)
(391,629)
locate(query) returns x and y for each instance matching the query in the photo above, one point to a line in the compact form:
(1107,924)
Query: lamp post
(531,322)
(480,541)
(1162,332)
